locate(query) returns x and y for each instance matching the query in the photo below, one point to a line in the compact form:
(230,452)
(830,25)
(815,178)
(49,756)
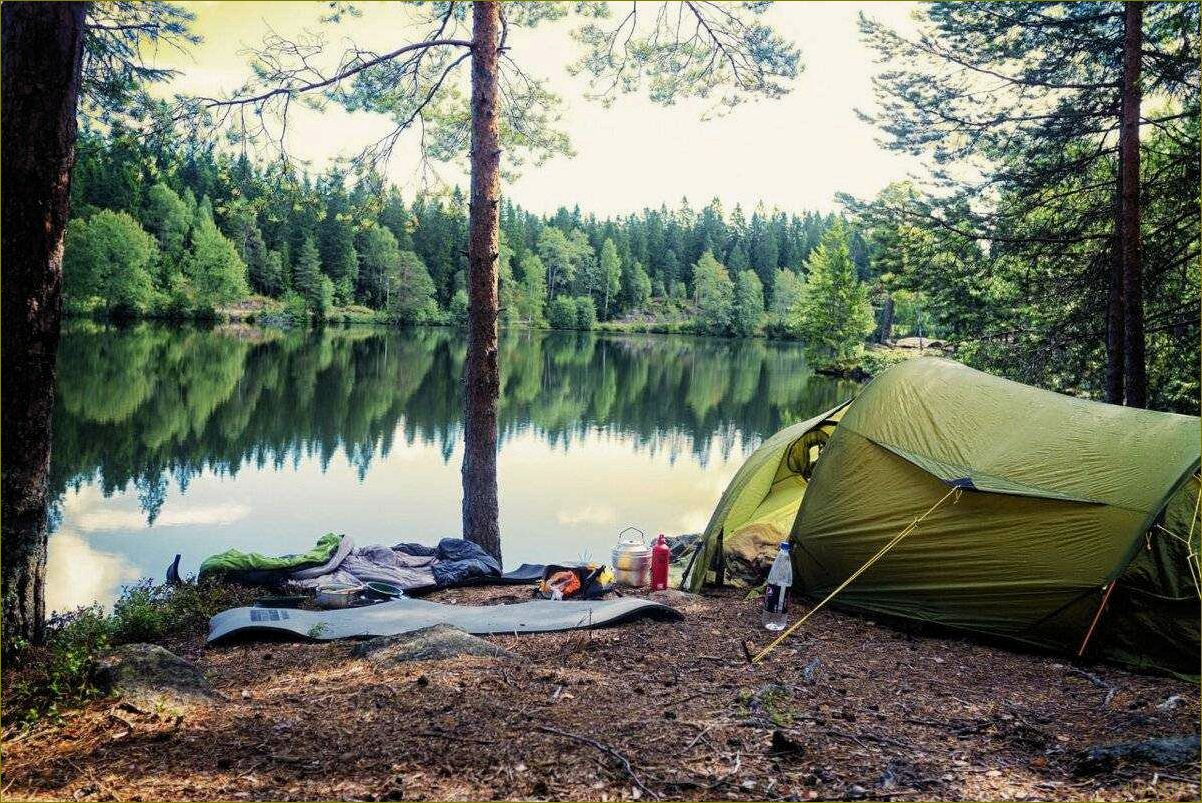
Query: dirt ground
(646,710)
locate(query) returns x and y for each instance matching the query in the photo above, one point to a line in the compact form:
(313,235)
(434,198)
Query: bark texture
(41,46)
(481,383)
(1136,377)
(1116,363)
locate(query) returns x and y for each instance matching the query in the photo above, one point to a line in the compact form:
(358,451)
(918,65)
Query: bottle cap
(784,545)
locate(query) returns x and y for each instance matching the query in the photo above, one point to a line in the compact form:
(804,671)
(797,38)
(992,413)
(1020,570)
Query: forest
(178,229)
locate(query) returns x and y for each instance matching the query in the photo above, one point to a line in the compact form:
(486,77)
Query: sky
(794,153)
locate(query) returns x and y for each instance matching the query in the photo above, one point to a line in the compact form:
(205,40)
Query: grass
(43,681)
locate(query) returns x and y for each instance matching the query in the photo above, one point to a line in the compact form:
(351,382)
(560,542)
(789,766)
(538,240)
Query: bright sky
(794,153)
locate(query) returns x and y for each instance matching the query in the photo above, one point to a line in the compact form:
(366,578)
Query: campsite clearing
(850,709)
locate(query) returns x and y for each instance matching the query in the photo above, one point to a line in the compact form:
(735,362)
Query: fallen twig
(604,748)
(1097,681)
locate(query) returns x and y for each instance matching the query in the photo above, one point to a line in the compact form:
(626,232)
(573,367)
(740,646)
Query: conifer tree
(833,315)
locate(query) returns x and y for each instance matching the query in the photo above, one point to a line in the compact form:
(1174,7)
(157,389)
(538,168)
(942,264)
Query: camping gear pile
(335,561)
(361,592)
(1052,521)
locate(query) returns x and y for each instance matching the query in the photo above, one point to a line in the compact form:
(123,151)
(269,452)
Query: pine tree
(215,272)
(308,280)
(833,315)
(412,299)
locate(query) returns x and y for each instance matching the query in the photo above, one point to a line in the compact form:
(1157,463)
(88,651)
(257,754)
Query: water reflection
(169,439)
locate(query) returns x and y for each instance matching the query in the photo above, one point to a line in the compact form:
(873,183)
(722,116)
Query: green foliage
(169,219)
(753,60)
(787,288)
(558,257)
(308,281)
(1012,247)
(532,299)
(212,266)
(45,681)
(586,313)
(268,212)
(296,308)
(611,273)
(749,304)
(457,311)
(715,295)
(110,256)
(379,263)
(562,313)
(413,297)
(833,315)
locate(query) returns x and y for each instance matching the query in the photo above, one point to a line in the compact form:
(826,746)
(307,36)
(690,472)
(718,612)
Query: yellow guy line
(879,554)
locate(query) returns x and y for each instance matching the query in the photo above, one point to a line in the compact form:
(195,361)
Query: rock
(1157,752)
(149,677)
(428,644)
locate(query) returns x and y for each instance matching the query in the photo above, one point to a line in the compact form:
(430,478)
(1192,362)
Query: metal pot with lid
(632,559)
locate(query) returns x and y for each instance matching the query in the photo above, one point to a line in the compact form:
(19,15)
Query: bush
(296,309)
(586,313)
(45,680)
(562,313)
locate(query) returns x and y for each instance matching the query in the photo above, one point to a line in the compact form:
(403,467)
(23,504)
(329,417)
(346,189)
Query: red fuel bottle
(661,556)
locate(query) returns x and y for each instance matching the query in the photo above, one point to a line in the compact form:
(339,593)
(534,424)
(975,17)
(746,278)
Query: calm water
(183,440)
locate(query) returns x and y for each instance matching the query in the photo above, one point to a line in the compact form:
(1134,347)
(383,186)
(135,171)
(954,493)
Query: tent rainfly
(1076,526)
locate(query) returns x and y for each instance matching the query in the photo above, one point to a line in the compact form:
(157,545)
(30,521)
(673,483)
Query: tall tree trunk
(1116,341)
(884,332)
(1136,379)
(42,48)
(481,383)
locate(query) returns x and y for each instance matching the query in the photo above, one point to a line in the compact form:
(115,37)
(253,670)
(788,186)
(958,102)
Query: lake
(188,440)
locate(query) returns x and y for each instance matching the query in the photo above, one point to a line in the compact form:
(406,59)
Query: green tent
(1075,522)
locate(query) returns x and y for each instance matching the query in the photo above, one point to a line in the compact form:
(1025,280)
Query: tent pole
(1096,617)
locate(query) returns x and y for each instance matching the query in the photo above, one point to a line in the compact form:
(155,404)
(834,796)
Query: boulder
(428,644)
(149,677)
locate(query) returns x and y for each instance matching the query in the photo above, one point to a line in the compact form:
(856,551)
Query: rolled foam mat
(407,614)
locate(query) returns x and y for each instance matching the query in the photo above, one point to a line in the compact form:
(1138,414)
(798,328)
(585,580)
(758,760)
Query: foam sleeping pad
(406,615)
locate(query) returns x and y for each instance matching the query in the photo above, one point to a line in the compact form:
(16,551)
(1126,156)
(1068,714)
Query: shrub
(562,313)
(296,309)
(586,313)
(47,679)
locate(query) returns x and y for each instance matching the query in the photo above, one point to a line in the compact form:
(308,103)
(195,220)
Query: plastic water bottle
(776,592)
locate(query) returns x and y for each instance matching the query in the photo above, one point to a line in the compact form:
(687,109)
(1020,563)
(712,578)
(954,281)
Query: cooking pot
(632,559)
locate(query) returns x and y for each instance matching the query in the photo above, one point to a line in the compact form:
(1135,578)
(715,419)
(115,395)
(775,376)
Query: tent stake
(1096,617)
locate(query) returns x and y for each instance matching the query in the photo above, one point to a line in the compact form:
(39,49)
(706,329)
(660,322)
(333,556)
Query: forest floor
(647,710)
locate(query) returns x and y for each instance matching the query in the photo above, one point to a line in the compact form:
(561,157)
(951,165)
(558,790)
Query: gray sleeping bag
(406,614)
